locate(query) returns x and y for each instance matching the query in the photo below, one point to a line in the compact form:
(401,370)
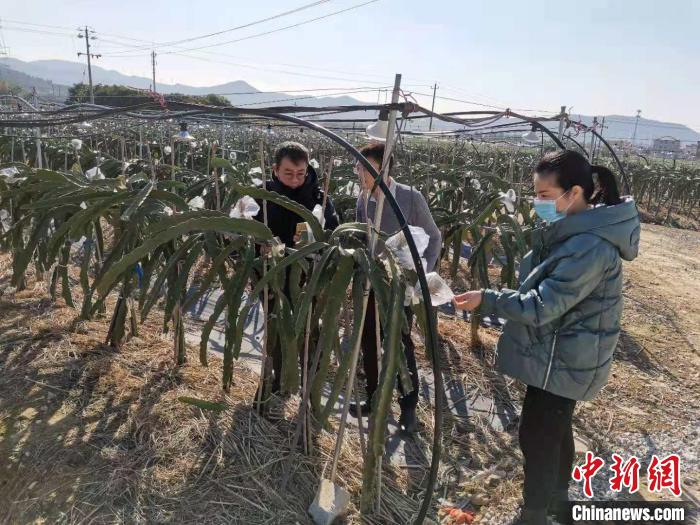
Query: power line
(294,73)
(298,24)
(150,45)
(244,26)
(226,55)
(334,93)
(459,100)
(354,92)
(37,31)
(38,25)
(503,106)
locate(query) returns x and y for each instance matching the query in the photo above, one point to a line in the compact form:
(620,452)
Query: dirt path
(649,406)
(666,277)
(652,402)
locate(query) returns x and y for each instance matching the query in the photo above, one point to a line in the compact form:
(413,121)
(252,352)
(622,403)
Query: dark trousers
(369,357)
(547,442)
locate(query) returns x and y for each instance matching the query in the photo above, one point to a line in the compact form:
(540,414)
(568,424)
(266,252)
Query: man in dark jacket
(296,179)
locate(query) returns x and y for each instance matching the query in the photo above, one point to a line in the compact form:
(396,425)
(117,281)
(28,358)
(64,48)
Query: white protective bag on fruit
(398,245)
(318,213)
(440,292)
(245,208)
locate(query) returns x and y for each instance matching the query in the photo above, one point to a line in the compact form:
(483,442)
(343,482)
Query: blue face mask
(546,209)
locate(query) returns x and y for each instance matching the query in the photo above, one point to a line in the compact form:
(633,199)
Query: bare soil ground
(90,435)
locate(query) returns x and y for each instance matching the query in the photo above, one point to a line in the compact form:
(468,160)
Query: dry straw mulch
(92,435)
(88,434)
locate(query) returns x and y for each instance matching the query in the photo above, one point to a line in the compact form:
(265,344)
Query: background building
(667,145)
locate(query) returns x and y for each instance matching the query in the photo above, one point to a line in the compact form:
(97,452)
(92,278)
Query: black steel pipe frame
(577,143)
(431,320)
(431,336)
(617,160)
(536,124)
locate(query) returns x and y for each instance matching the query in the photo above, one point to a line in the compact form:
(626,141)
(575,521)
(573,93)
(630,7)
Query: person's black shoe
(365,409)
(559,507)
(532,517)
(407,421)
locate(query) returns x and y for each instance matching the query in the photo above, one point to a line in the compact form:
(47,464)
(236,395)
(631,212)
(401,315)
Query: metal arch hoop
(536,124)
(431,336)
(617,160)
(569,137)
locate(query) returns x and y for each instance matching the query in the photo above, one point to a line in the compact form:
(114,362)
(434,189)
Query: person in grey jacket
(563,322)
(417,213)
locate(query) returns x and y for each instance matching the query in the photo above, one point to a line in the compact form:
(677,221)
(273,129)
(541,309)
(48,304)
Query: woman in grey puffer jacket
(563,322)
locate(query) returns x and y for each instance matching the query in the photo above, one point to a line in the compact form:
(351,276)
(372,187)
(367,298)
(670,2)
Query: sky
(596,57)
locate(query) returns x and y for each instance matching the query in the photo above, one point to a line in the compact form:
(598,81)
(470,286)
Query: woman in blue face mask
(563,321)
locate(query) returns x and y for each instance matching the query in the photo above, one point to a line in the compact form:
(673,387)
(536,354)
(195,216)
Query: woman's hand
(468,300)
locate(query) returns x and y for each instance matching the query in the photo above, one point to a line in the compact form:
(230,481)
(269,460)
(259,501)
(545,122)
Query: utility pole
(598,143)
(636,123)
(37,132)
(153,66)
(4,50)
(89,35)
(432,108)
(562,112)
(593,127)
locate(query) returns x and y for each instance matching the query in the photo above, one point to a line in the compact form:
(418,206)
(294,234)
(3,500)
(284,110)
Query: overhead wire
(292,26)
(292,73)
(20,22)
(38,31)
(244,26)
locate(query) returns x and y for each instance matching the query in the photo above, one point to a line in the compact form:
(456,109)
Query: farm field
(198,350)
(88,434)
(343,262)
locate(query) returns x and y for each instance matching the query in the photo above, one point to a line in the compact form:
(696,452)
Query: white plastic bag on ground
(245,208)
(398,245)
(440,293)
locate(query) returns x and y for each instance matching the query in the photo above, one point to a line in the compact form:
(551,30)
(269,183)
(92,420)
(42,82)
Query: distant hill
(69,73)
(44,88)
(51,77)
(619,127)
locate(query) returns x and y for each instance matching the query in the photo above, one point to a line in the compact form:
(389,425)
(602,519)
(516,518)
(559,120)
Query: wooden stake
(264,366)
(372,239)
